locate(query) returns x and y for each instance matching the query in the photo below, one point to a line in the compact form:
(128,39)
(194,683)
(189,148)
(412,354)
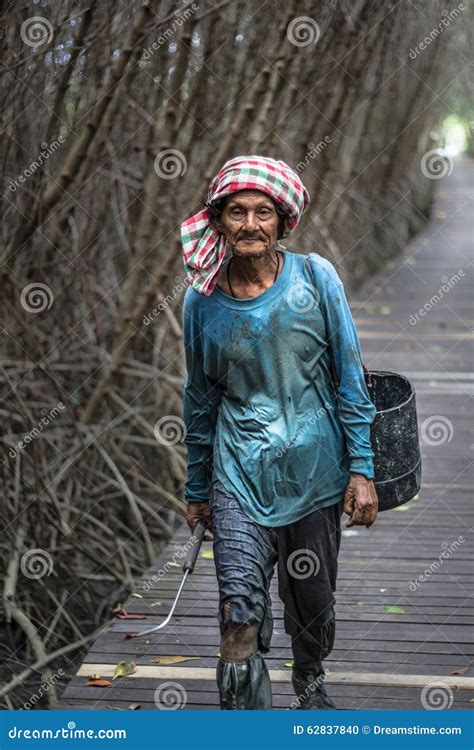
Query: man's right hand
(196,512)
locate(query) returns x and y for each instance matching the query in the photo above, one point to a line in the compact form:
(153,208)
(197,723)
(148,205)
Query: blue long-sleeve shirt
(259,404)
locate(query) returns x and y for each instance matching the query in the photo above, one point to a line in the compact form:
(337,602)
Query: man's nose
(250,222)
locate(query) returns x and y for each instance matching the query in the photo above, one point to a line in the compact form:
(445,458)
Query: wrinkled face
(249,221)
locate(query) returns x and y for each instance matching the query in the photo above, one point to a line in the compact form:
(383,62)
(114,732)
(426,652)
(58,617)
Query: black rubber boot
(309,650)
(244,685)
(310,692)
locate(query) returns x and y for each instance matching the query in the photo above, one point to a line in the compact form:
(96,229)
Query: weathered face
(249,222)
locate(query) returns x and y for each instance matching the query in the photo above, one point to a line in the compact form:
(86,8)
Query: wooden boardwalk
(397,635)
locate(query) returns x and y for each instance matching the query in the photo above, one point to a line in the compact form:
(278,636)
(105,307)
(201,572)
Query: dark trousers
(305,552)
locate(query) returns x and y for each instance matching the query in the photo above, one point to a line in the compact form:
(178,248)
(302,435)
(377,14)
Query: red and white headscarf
(204,245)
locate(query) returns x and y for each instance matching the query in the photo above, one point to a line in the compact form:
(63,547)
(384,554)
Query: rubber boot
(308,671)
(244,685)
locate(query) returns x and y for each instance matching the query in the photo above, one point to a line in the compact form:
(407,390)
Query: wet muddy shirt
(258,401)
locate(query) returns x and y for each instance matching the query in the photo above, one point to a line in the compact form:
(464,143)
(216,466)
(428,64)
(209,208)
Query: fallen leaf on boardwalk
(461,670)
(123,669)
(134,707)
(98,683)
(392,609)
(179,619)
(136,596)
(172,659)
(208,554)
(130,635)
(126,616)
(360,603)
(288,663)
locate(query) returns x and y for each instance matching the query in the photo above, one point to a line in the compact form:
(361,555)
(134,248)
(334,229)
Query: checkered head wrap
(204,245)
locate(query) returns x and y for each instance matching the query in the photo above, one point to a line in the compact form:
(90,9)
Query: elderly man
(275,452)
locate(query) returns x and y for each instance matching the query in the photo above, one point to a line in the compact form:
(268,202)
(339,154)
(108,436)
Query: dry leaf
(126,616)
(461,670)
(208,554)
(392,609)
(98,683)
(136,596)
(123,669)
(130,635)
(172,659)
(134,707)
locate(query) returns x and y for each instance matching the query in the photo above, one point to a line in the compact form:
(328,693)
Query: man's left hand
(360,501)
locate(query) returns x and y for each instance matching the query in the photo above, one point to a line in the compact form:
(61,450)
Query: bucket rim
(400,377)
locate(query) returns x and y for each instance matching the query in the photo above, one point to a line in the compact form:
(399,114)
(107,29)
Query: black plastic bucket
(394,438)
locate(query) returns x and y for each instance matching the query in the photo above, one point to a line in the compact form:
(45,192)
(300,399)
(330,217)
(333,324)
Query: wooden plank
(278,675)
